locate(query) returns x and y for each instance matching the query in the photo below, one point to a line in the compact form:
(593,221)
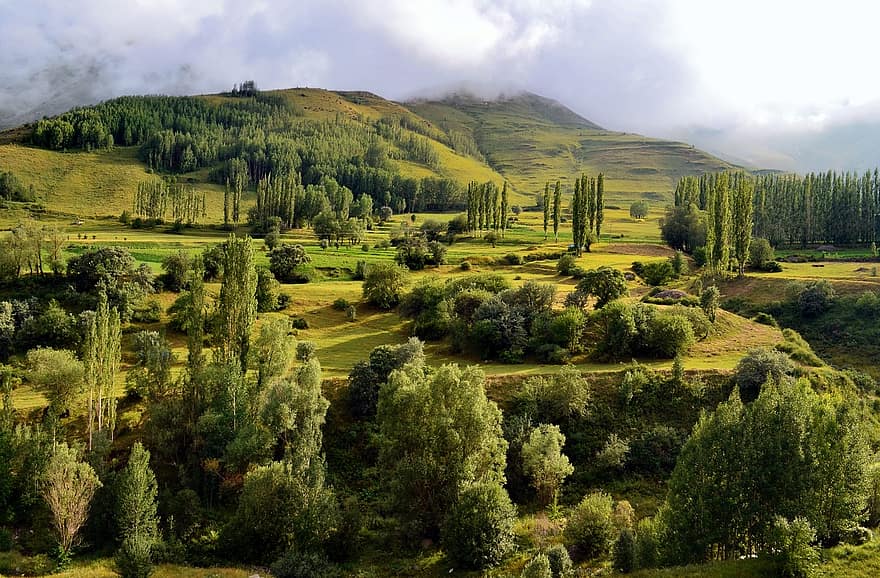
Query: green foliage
(544,462)
(605,283)
(175,267)
(709,302)
(537,567)
(366,377)
(625,551)
(449,406)
(267,291)
(273,351)
(384,284)
(68,487)
(560,561)
(237,306)
(281,507)
(297,564)
(815,298)
(478,531)
(800,454)
(759,366)
(792,547)
(760,253)
(658,273)
(798,349)
(289,264)
(683,228)
(136,493)
(59,372)
(589,532)
(566,265)
(639,209)
(614,453)
(133,557)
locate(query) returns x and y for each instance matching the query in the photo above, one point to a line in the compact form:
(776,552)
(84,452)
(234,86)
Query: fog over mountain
(785,84)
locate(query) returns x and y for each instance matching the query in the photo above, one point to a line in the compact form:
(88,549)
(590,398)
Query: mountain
(523,138)
(531,140)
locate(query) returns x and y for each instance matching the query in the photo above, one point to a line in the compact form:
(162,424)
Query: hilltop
(524,138)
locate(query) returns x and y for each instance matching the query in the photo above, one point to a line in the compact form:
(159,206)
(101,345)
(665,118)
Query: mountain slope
(531,140)
(526,139)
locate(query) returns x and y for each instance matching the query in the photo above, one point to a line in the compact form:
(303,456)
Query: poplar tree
(237,305)
(496,206)
(101,356)
(557,210)
(721,224)
(590,191)
(546,207)
(504,208)
(600,204)
(576,224)
(742,222)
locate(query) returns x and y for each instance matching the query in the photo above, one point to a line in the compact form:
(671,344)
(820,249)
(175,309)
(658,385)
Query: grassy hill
(526,139)
(530,140)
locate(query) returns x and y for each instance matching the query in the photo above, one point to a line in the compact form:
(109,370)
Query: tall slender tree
(237,305)
(102,353)
(504,208)
(743,206)
(546,207)
(557,210)
(600,204)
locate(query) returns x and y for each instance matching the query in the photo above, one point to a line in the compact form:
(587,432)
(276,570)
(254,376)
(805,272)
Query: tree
(176,266)
(151,377)
(136,493)
(557,210)
(600,204)
(719,231)
(589,532)
(59,372)
(273,351)
(101,357)
(546,208)
(710,300)
(605,283)
(544,462)
(287,263)
(683,228)
(757,367)
(639,209)
(743,223)
(760,253)
(237,306)
(504,208)
(478,531)
(68,487)
(267,291)
(383,285)
(798,453)
(450,407)
(537,567)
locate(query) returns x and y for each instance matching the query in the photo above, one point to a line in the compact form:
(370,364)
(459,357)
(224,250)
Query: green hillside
(530,140)
(526,139)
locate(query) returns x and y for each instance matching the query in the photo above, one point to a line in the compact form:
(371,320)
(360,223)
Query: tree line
(787,209)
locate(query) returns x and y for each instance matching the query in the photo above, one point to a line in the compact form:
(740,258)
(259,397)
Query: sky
(789,84)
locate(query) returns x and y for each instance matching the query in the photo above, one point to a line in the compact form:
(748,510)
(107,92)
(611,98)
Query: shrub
(791,543)
(625,552)
(478,531)
(566,265)
(513,259)
(175,268)
(366,247)
(613,454)
(589,532)
(384,284)
(560,561)
(758,366)
(605,283)
(465,266)
(6,542)
(341,304)
(305,350)
(760,253)
(765,319)
(798,349)
(351,313)
(815,298)
(296,564)
(360,270)
(299,323)
(657,273)
(670,334)
(538,567)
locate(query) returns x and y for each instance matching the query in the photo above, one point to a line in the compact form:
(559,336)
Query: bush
(657,273)
(305,350)
(798,349)
(341,304)
(384,284)
(625,552)
(295,564)
(566,265)
(655,450)
(299,323)
(360,270)
(267,291)
(538,567)
(760,253)
(465,266)
(589,532)
(670,334)
(513,259)
(133,557)
(758,366)
(560,561)
(478,531)
(765,319)
(791,543)
(815,298)
(613,454)
(175,268)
